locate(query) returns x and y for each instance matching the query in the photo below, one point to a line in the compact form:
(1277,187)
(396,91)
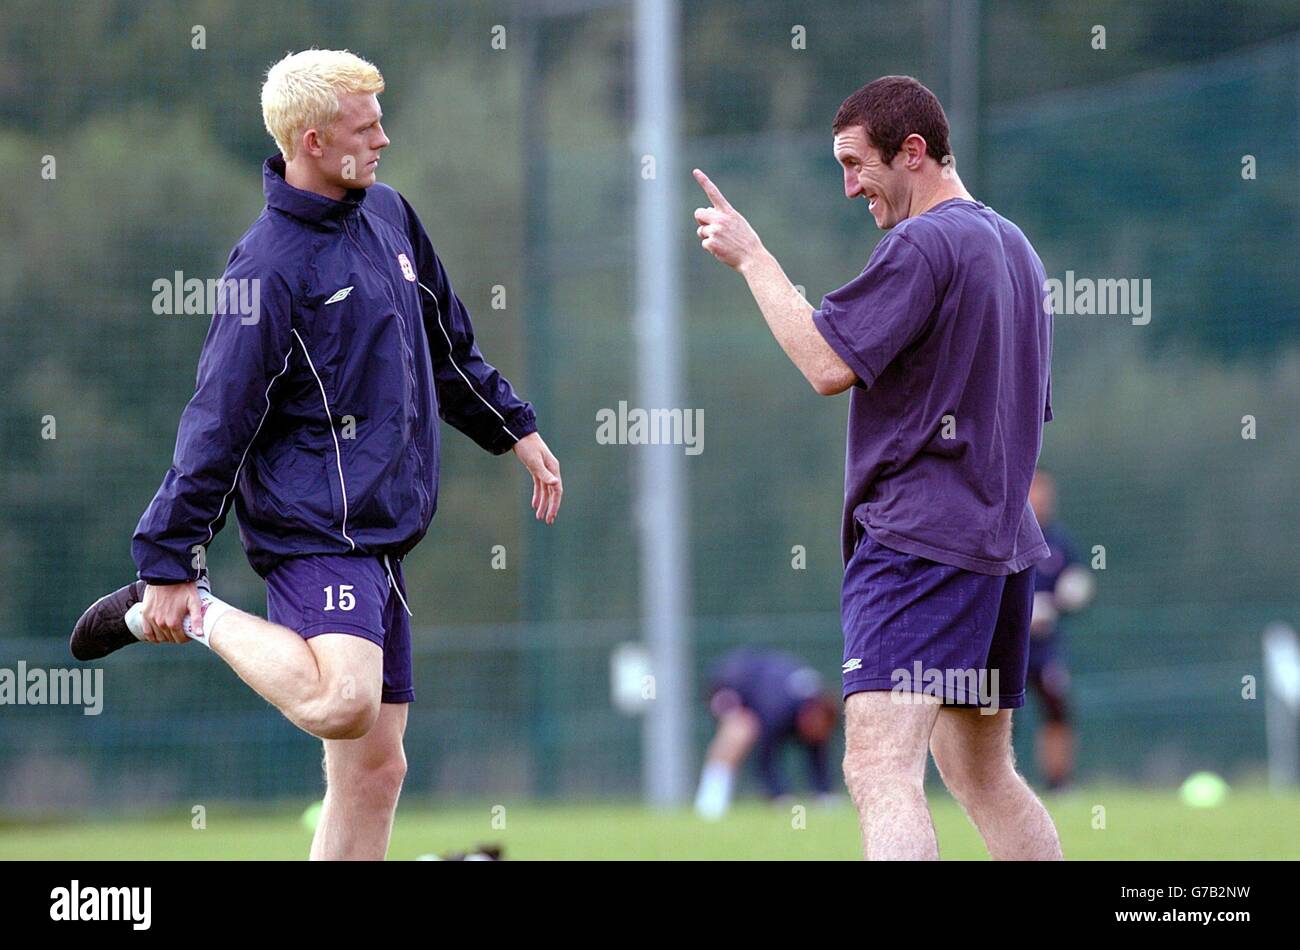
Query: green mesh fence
(1127,167)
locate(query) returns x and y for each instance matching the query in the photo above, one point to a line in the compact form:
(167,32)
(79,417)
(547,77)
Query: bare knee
(382,781)
(340,697)
(973,778)
(970,786)
(376,781)
(879,770)
(340,716)
(868,776)
(857,772)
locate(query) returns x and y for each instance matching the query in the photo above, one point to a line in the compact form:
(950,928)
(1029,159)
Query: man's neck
(945,187)
(305,178)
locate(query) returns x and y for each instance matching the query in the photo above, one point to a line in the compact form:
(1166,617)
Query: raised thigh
(330,593)
(351,670)
(340,606)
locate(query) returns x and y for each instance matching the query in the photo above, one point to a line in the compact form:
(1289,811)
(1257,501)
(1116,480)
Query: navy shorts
(1049,675)
(336,593)
(913,625)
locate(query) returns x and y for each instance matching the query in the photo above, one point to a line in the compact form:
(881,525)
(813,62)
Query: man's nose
(851,187)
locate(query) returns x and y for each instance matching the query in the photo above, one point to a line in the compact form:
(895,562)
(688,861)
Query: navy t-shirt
(950,336)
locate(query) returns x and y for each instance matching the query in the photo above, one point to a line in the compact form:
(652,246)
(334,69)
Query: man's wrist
(753,262)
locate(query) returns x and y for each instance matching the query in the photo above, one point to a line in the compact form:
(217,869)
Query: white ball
(1044,615)
(1074,589)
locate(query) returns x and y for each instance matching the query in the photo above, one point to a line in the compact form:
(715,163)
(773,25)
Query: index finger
(710,189)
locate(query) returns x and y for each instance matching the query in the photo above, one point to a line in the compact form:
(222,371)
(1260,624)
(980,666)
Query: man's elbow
(832,380)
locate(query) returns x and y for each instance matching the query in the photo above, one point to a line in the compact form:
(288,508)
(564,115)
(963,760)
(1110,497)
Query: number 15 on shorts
(346,599)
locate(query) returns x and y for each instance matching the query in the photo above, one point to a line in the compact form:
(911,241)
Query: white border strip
(235,481)
(452,360)
(338,454)
(396,590)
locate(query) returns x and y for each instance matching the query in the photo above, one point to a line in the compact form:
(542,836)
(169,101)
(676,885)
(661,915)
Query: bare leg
(975,758)
(1056,752)
(328,686)
(737,732)
(884,767)
(363,781)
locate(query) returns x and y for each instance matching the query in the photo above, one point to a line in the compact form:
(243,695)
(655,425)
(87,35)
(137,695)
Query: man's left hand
(545,469)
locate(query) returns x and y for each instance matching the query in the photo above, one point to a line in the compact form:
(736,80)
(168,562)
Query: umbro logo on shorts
(853,664)
(338,296)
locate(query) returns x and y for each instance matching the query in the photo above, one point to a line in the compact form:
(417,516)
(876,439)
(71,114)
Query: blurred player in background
(763,701)
(1061,585)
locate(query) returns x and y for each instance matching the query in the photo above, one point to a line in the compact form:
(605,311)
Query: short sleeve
(886,308)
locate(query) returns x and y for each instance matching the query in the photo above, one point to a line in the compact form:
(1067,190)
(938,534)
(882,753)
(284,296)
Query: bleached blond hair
(302,90)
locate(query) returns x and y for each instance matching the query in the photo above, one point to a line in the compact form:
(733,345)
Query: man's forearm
(726,235)
(789,317)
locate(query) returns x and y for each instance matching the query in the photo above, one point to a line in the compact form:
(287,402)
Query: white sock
(714,796)
(213,609)
(135,620)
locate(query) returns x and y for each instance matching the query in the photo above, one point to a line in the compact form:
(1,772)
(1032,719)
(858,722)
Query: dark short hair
(890,109)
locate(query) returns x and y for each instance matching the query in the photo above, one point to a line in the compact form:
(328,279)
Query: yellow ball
(1203,790)
(311,817)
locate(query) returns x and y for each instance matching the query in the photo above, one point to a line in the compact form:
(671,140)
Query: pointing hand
(723,231)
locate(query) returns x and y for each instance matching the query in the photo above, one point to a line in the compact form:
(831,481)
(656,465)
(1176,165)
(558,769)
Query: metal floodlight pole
(964,23)
(661,505)
(1281,649)
(537,586)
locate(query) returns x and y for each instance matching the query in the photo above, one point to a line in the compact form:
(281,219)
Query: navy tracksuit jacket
(316,414)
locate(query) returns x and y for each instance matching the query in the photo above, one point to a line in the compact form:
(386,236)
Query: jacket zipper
(410,362)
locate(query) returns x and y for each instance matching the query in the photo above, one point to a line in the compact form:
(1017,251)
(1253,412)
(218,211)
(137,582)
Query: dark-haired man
(945,342)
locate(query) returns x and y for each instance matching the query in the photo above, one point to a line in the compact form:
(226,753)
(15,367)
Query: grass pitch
(1138,823)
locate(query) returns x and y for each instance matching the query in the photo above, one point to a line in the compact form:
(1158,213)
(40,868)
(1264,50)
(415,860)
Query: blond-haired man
(317,416)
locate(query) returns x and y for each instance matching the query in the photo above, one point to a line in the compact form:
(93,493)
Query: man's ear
(312,142)
(915,149)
